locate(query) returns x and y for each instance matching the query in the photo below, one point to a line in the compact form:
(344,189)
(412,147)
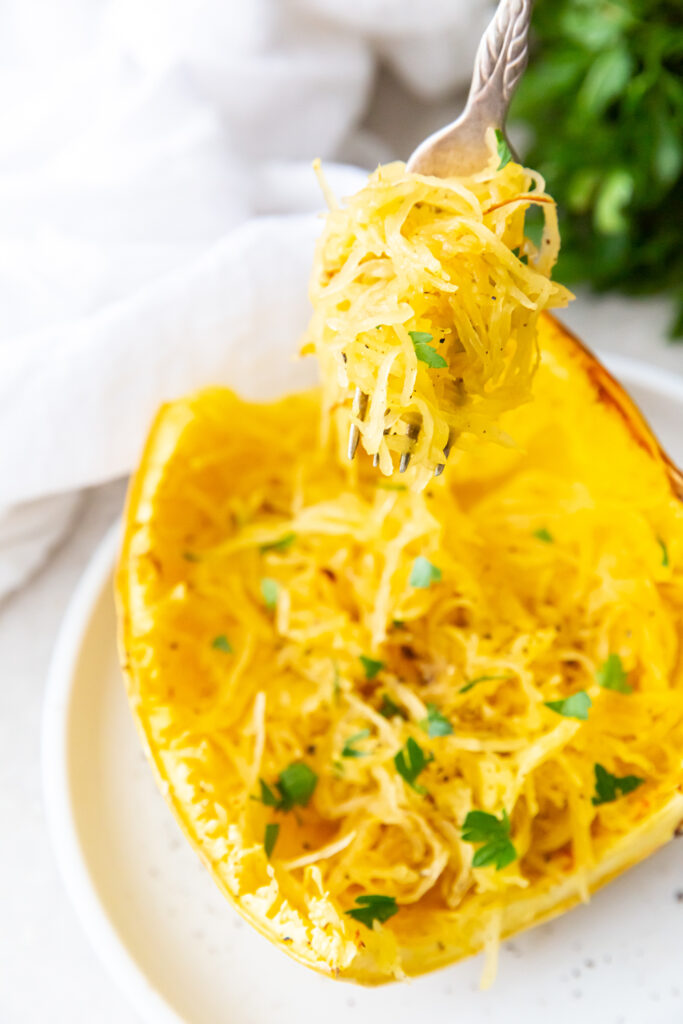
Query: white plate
(183,955)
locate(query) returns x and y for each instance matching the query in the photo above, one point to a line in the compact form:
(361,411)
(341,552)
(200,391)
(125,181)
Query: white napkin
(140,138)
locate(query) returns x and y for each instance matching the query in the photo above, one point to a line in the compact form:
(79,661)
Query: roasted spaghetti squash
(398,725)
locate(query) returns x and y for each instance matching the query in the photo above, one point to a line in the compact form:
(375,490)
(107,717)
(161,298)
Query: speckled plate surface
(184,956)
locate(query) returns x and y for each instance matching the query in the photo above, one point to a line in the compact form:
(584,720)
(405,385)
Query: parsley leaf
(494,834)
(436,724)
(612,676)
(574,706)
(665,552)
(221,643)
(269,590)
(544,535)
(480,679)
(608,787)
(424,351)
(349,750)
(371,908)
(370,666)
(270,837)
(282,544)
(389,709)
(504,153)
(410,761)
(295,785)
(423,573)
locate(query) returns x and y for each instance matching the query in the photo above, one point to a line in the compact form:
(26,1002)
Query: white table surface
(48,973)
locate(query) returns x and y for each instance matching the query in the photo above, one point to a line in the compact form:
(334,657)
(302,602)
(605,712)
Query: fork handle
(499,64)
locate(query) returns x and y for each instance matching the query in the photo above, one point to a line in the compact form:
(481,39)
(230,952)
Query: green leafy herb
(608,787)
(221,643)
(424,351)
(494,835)
(544,535)
(603,74)
(504,154)
(295,785)
(349,750)
(612,676)
(575,706)
(190,556)
(410,761)
(371,908)
(282,544)
(270,837)
(436,724)
(665,552)
(269,590)
(423,573)
(370,666)
(480,679)
(389,709)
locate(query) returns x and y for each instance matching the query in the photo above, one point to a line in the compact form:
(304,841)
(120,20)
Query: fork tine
(446,452)
(360,404)
(412,432)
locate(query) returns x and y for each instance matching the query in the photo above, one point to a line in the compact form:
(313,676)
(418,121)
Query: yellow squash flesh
(222,488)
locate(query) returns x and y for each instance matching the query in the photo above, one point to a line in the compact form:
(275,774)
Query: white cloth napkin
(156,202)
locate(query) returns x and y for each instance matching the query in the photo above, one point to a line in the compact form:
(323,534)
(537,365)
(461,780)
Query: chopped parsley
(494,835)
(410,761)
(270,837)
(269,590)
(423,573)
(349,750)
(389,708)
(295,785)
(190,556)
(424,351)
(436,724)
(370,666)
(608,787)
(665,552)
(480,679)
(504,153)
(544,535)
(221,643)
(371,908)
(574,706)
(612,676)
(282,544)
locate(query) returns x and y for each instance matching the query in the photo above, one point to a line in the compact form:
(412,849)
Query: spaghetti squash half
(399,725)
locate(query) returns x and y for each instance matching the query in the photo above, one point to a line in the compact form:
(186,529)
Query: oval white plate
(183,956)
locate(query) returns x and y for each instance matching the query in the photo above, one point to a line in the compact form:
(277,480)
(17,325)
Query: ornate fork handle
(460,148)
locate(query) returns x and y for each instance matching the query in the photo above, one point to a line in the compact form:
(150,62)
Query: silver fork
(461,147)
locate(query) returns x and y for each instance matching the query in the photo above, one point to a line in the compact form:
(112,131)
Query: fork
(462,148)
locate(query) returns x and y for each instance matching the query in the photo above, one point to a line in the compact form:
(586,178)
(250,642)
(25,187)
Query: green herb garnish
(480,679)
(423,573)
(436,724)
(410,761)
(221,643)
(370,666)
(665,552)
(270,838)
(494,835)
(575,706)
(424,351)
(389,709)
(190,556)
(544,535)
(371,908)
(282,544)
(612,676)
(504,152)
(349,750)
(608,787)
(269,590)
(295,785)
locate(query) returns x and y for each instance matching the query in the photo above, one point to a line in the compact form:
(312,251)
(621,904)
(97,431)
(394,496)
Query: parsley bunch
(603,96)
